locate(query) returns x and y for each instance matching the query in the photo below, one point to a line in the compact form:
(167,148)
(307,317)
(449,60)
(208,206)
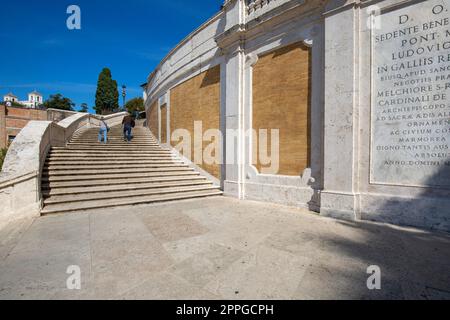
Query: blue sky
(129,37)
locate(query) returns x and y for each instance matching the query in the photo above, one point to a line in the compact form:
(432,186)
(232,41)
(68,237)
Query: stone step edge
(123,182)
(114,195)
(109,151)
(112,188)
(99,177)
(120,162)
(120,204)
(81,172)
(111,166)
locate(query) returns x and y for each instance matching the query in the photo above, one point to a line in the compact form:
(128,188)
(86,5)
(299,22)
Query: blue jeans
(103,132)
(127,132)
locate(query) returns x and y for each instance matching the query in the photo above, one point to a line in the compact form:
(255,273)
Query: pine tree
(58,101)
(84,108)
(107,95)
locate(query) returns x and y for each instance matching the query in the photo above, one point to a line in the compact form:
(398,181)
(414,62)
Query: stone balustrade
(254,5)
(20,192)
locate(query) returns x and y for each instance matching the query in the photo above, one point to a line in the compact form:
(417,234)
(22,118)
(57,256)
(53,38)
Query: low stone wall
(20,191)
(14,119)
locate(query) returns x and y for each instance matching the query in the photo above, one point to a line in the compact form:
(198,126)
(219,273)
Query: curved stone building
(349,96)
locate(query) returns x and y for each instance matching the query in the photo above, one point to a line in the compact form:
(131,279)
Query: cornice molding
(231,37)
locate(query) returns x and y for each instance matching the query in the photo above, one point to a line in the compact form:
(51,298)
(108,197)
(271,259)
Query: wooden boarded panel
(164,124)
(281,100)
(197,99)
(153,121)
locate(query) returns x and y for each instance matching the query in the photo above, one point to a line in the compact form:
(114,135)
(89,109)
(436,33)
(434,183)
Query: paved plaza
(219,248)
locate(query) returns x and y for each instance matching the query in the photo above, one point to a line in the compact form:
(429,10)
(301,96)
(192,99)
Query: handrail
(12,180)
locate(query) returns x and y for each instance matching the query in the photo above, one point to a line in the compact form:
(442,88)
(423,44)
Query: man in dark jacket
(128,124)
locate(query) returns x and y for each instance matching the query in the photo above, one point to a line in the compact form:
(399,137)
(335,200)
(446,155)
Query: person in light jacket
(103,132)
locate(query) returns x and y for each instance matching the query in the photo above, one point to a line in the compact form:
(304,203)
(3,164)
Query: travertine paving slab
(219,248)
(166,286)
(264,273)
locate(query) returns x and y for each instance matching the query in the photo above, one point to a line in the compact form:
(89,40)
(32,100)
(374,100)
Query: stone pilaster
(340,197)
(232,42)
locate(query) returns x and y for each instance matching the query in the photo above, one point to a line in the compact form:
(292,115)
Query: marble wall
(379,120)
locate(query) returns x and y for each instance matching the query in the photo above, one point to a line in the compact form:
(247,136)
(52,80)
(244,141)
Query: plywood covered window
(153,121)
(164,124)
(282,100)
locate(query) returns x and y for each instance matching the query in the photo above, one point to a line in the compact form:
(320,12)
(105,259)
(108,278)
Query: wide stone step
(113,137)
(110,152)
(97,204)
(103,171)
(126,187)
(114,143)
(105,158)
(92,177)
(112,166)
(117,146)
(53,185)
(94,134)
(118,135)
(130,162)
(105,151)
(122,150)
(106,147)
(118,139)
(123,194)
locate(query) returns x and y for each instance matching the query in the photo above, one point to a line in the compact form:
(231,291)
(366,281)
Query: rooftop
(10,95)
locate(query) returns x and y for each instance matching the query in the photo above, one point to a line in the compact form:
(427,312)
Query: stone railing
(253,5)
(57,115)
(20,191)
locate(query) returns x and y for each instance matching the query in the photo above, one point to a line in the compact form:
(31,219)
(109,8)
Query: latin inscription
(411,96)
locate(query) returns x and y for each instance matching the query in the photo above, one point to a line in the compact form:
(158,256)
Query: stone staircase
(88,175)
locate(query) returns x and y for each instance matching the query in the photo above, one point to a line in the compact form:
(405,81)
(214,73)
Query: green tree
(107,95)
(136,104)
(84,108)
(57,101)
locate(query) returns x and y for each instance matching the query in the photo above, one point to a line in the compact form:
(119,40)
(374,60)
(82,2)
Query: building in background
(35,99)
(10,98)
(14,119)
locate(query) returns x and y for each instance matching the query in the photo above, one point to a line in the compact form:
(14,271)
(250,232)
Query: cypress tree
(107,95)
